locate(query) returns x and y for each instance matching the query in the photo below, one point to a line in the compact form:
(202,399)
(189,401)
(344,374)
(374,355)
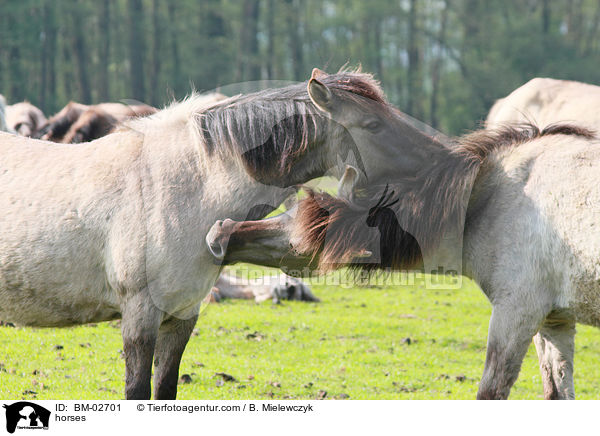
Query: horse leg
(510,332)
(139,328)
(173,336)
(555,345)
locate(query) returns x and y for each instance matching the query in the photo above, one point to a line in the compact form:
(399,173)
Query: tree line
(441,61)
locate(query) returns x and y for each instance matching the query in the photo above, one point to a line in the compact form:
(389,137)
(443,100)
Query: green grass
(351,345)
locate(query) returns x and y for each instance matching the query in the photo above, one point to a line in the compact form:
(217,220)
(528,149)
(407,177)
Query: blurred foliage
(442,61)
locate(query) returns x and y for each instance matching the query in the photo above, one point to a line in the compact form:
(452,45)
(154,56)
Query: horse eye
(373,126)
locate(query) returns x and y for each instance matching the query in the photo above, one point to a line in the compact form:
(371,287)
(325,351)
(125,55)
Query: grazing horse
(115,228)
(78,122)
(545,101)
(92,124)
(531,239)
(3,125)
(25,118)
(276,287)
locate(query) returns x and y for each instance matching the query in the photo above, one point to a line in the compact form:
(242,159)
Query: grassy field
(360,343)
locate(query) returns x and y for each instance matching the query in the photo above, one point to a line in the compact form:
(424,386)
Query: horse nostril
(216,250)
(213,240)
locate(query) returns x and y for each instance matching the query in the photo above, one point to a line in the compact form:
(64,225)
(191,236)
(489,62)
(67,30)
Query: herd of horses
(137,224)
(73,124)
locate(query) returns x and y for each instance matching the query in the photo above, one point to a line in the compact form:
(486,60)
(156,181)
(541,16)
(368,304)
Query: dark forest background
(442,61)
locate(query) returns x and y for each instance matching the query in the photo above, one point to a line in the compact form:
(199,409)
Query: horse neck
(229,189)
(218,182)
(488,177)
(230,192)
(447,194)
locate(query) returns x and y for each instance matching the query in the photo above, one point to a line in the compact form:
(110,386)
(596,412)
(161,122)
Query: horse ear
(320,95)
(347,183)
(316,73)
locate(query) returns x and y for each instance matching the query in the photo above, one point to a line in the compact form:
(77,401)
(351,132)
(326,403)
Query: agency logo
(26,415)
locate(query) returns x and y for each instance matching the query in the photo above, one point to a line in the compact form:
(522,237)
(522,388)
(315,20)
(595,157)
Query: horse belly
(54,307)
(587,301)
(50,294)
(53,276)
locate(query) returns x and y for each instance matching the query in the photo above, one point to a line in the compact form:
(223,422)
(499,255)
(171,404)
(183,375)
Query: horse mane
(269,128)
(332,230)
(482,143)
(266,129)
(424,208)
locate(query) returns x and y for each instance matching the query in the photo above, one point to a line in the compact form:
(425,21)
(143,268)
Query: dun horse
(115,228)
(545,101)
(25,118)
(77,122)
(3,125)
(276,287)
(531,238)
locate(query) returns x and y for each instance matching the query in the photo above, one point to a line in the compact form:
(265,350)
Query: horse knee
(138,367)
(555,344)
(490,394)
(172,340)
(508,339)
(139,329)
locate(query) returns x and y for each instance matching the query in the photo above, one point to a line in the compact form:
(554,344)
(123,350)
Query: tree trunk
(81,53)
(590,43)
(157,36)
(295,38)
(253,60)
(575,21)
(177,79)
(3,49)
(270,39)
(48,57)
(437,66)
(136,49)
(15,67)
(44,57)
(414,104)
(104,51)
(546,17)
(214,39)
(377,49)
(66,69)
(248,62)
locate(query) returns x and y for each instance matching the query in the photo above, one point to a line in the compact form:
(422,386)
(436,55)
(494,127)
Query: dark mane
(334,231)
(424,208)
(356,83)
(481,143)
(269,128)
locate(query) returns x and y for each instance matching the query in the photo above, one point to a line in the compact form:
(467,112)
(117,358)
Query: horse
(115,228)
(78,122)
(3,125)
(275,287)
(92,124)
(530,238)
(25,118)
(544,101)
